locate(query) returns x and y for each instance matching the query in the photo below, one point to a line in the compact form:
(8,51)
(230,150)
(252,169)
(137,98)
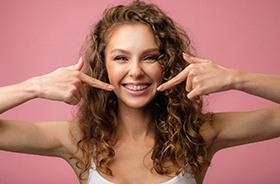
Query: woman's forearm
(14,95)
(262,85)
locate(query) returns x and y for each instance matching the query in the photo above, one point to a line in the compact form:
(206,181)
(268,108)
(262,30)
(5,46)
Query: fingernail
(111,87)
(160,88)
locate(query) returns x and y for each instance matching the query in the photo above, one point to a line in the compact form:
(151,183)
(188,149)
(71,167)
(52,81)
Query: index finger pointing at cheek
(169,84)
(182,76)
(96,83)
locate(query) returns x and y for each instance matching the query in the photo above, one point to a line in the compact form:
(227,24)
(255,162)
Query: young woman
(140,115)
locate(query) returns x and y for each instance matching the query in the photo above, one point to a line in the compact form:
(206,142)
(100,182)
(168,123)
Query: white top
(96,178)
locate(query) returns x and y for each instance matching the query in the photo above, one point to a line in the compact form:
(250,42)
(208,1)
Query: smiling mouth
(136,87)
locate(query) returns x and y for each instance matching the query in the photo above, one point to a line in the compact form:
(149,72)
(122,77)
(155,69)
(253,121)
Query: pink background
(37,37)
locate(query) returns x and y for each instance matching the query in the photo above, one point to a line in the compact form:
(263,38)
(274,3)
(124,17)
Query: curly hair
(176,120)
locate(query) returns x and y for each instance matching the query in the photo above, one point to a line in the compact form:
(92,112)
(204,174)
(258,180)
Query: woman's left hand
(202,78)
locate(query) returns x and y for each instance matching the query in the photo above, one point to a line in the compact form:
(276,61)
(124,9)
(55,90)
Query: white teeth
(136,87)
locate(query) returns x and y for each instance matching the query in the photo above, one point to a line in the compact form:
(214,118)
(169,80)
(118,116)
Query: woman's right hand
(67,84)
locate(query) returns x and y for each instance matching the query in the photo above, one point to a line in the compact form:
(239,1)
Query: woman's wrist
(30,88)
(238,79)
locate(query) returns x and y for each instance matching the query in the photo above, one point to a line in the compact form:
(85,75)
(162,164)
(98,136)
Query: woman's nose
(136,70)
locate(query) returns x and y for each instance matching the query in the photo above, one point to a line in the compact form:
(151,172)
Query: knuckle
(196,81)
(76,74)
(68,97)
(192,73)
(76,82)
(69,94)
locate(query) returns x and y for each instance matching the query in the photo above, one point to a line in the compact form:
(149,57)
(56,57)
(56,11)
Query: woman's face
(132,64)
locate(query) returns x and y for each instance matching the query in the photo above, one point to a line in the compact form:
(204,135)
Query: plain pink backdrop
(37,37)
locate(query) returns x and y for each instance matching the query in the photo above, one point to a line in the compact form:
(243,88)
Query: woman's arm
(64,84)
(45,138)
(232,128)
(237,128)
(42,138)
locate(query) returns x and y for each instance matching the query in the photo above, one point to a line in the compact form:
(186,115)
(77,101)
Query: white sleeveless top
(96,178)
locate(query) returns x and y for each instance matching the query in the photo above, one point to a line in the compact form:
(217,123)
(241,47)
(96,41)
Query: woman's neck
(134,124)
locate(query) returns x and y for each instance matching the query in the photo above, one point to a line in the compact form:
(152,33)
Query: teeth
(136,87)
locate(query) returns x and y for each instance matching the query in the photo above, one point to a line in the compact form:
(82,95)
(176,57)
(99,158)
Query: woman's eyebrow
(150,50)
(119,50)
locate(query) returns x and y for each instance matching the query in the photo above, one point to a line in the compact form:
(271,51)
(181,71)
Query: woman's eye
(151,58)
(120,58)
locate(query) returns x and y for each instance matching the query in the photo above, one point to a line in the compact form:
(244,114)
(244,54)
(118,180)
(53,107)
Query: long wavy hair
(176,120)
